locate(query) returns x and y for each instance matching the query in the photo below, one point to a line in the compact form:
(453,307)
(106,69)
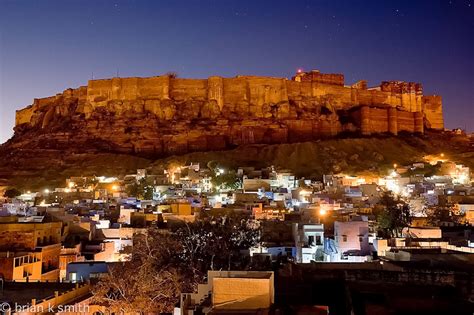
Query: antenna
(92,77)
(117,72)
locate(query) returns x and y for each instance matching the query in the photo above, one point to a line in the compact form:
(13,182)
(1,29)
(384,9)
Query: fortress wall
(250,97)
(378,120)
(326,128)
(265,90)
(411,102)
(298,90)
(418,119)
(433,110)
(337,96)
(235,90)
(254,90)
(325,78)
(154,88)
(360,85)
(188,89)
(98,92)
(23,116)
(346,97)
(362,96)
(406,121)
(80,93)
(378,97)
(40,103)
(124,89)
(392,120)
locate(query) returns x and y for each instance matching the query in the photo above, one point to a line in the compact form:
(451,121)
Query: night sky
(48,46)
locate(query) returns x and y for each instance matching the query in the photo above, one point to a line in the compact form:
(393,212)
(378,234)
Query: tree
(172,74)
(140,189)
(12,193)
(165,264)
(437,215)
(215,242)
(150,283)
(394,215)
(227,180)
(212,165)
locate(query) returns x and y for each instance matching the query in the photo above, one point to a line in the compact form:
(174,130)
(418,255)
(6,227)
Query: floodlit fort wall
(242,110)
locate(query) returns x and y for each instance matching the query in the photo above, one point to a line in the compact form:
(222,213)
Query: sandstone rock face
(162,116)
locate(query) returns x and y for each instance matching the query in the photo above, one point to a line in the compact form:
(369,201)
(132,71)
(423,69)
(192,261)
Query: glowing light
(106,180)
(300,70)
(46,191)
(115,187)
(442,154)
(322,212)
(395,165)
(71,184)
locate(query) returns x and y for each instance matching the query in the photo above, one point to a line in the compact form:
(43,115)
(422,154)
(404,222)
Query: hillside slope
(40,167)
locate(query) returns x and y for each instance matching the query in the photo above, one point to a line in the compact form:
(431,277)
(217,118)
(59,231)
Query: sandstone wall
(241,96)
(164,115)
(433,110)
(23,116)
(254,90)
(391,120)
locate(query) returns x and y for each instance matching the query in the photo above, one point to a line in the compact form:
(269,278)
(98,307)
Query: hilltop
(312,124)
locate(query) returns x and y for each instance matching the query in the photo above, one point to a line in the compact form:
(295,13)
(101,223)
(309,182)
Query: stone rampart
(166,115)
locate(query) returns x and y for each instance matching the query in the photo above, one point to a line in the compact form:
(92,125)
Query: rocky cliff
(161,116)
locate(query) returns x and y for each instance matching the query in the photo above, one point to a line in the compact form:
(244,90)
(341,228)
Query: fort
(166,115)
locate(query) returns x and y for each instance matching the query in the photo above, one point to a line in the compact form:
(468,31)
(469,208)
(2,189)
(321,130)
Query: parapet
(401,87)
(310,103)
(360,85)
(317,76)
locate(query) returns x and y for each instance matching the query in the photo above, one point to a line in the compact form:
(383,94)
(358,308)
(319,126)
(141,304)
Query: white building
(351,240)
(309,242)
